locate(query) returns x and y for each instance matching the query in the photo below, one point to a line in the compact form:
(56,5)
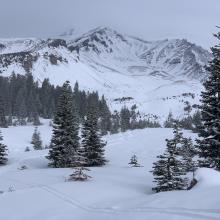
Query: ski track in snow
(185,212)
(178,211)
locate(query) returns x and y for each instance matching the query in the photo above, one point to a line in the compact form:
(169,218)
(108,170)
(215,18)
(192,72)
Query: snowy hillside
(158,76)
(116,190)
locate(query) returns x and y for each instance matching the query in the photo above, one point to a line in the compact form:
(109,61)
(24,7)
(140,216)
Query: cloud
(149,19)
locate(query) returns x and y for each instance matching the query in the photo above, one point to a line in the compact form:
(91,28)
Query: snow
(123,67)
(116,190)
(208,178)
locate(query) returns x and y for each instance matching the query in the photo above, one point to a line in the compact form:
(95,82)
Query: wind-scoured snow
(116,190)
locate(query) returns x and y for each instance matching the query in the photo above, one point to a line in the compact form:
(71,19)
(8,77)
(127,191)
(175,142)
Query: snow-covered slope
(116,190)
(157,76)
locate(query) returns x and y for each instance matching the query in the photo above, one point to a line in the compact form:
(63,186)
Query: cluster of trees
(191,122)
(67,148)
(25,101)
(130,120)
(171,168)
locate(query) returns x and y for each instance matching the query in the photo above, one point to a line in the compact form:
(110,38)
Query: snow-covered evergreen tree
(105,117)
(91,140)
(134,161)
(196,121)
(178,137)
(79,159)
(65,139)
(36,120)
(125,119)
(36,140)
(169,171)
(188,152)
(169,123)
(3,121)
(79,174)
(208,144)
(115,123)
(3,151)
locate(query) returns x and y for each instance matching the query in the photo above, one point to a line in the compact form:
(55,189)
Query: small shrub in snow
(79,174)
(23,167)
(11,189)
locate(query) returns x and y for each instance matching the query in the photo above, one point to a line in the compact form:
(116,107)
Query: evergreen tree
(36,119)
(9,120)
(115,123)
(91,140)
(20,107)
(3,121)
(65,139)
(209,142)
(36,140)
(196,121)
(105,117)
(3,151)
(169,171)
(134,161)
(170,121)
(47,99)
(186,123)
(176,141)
(188,152)
(125,119)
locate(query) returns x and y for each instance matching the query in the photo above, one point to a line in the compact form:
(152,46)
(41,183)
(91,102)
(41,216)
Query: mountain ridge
(116,65)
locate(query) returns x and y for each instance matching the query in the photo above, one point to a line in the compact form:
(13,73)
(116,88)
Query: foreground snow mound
(207,178)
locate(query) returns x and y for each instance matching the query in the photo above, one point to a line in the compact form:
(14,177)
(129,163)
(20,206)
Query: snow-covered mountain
(158,76)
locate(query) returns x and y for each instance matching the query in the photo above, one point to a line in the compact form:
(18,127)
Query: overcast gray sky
(148,19)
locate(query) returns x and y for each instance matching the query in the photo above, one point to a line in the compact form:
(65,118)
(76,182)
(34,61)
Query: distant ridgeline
(23,100)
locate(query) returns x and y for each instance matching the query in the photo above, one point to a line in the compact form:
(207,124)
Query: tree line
(190,122)
(23,101)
